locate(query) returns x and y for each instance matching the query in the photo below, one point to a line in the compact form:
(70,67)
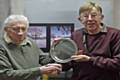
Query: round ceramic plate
(62,50)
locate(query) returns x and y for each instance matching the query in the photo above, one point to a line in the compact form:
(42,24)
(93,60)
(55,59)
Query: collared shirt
(102,28)
(20,62)
(24,42)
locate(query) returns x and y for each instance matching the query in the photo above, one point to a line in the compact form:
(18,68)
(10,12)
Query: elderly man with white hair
(20,58)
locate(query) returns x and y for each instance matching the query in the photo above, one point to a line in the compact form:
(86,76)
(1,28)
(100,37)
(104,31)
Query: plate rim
(55,58)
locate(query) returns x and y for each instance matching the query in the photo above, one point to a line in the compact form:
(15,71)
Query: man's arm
(8,73)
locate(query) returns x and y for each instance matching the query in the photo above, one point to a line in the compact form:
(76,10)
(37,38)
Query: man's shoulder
(2,43)
(78,31)
(113,30)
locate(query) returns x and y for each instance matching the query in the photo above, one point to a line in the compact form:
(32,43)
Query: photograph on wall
(61,31)
(38,34)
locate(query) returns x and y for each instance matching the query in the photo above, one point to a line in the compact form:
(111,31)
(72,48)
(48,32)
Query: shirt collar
(103,28)
(8,40)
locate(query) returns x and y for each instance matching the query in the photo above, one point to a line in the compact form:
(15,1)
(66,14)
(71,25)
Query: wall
(17,6)
(116,12)
(62,11)
(8,7)
(57,10)
(4,10)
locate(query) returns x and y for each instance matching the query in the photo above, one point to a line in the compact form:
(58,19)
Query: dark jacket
(104,50)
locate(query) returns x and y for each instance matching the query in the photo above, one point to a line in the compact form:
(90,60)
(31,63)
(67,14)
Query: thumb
(79,52)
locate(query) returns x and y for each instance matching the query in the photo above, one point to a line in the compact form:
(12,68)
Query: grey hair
(15,18)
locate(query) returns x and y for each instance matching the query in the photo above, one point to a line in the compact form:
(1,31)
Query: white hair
(15,18)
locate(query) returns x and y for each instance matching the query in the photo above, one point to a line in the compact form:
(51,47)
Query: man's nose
(21,32)
(89,17)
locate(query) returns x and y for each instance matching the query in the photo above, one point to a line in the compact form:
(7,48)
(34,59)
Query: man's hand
(79,56)
(51,69)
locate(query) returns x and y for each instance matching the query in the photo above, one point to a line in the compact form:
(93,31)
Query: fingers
(56,41)
(54,73)
(51,69)
(79,58)
(79,52)
(58,67)
(55,64)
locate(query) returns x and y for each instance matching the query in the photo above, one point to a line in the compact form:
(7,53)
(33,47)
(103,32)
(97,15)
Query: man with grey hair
(20,58)
(98,56)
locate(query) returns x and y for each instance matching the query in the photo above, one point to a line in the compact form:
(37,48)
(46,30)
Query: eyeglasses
(18,29)
(90,15)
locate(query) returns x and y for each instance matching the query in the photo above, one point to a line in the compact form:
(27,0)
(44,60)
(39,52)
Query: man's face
(91,19)
(17,32)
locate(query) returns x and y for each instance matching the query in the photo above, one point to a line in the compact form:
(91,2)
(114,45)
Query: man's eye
(23,29)
(15,29)
(94,15)
(86,16)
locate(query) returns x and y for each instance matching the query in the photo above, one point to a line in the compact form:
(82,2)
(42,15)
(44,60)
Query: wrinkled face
(17,32)
(91,19)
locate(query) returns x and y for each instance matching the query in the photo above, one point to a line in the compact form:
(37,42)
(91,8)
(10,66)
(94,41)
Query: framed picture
(39,33)
(45,33)
(61,31)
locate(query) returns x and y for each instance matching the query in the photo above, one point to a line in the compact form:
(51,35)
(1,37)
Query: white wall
(8,7)
(17,6)
(63,11)
(4,10)
(54,11)
(116,13)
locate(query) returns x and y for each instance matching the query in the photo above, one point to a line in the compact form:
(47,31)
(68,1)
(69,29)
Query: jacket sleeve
(45,58)
(8,73)
(112,63)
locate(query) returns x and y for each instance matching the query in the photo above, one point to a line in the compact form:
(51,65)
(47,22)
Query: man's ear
(102,17)
(79,18)
(5,29)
